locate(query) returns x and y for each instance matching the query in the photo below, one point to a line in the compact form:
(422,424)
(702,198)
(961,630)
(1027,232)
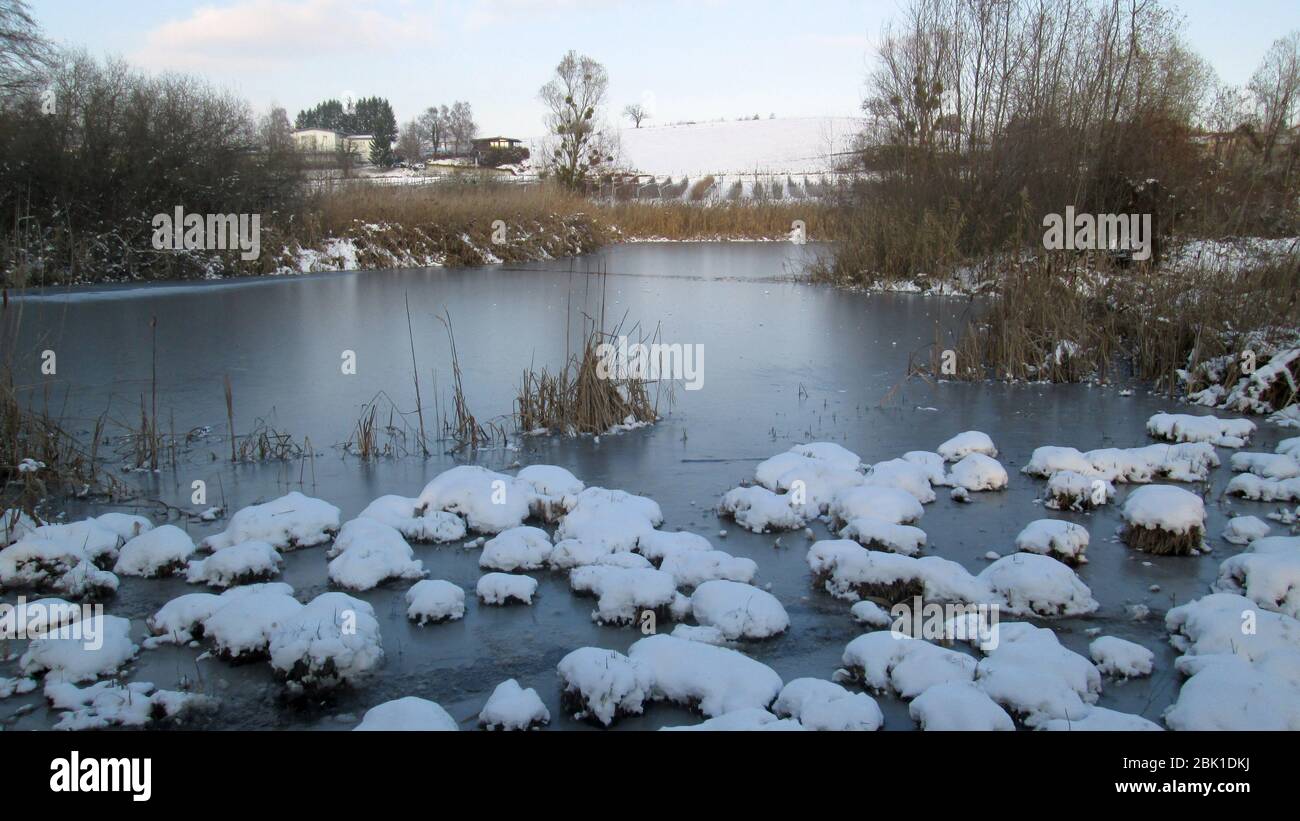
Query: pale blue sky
(687,59)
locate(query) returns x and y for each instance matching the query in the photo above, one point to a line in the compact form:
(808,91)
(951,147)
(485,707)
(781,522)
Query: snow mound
(368,553)
(1057,538)
(571,553)
(870,614)
(289,522)
(410,714)
(958,706)
(1258,489)
(96,540)
(623,593)
(833,455)
(1180,427)
(1266,465)
(978,472)
(1067,490)
(932,463)
(519,548)
(1118,657)
(161,551)
(613,519)
(904,475)
(658,544)
(691,632)
(400,513)
(490,502)
(434,600)
(126,525)
(1227,692)
(504,588)
(332,640)
(888,504)
(739,611)
(759,510)
(238,564)
(113,704)
(1101,719)
(826,706)
(244,619)
(714,680)
(691,568)
(1245,529)
(1030,584)
(964,444)
(100,646)
(41,562)
(511,707)
(555,490)
(885,660)
(1267,573)
(1165,507)
(882,535)
(1186,462)
(1033,676)
(849,571)
(603,685)
(748,720)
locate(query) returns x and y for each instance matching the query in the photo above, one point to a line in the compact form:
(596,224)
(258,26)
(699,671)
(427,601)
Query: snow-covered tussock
(410,714)
(1181,427)
(882,535)
(849,571)
(1164,519)
(1057,538)
(1185,462)
(241,563)
(603,685)
(964,444)
(622,593)
(519,548)
(1121,658)
(613,519)
(887,504)
(368,553)
(691,568)
(977,471)
(1068,490)
(1244,529)
(958,706)
(1250,486)
(332,640)
(511,707)
(489,501)
(287,523)
(738,611)
(402,514)
(55,561)
(824,705)
(112,704)
(99,646)
(555,490)
(904,475)
(434,600)
(1266,465)
(714,680)
(885,660)
(759,510)
(504,588)
(1036,678)
(1268,573)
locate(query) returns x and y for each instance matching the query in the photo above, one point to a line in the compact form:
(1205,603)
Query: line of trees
(984,115)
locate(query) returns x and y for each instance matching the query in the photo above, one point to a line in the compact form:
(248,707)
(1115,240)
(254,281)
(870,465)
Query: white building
(328,141)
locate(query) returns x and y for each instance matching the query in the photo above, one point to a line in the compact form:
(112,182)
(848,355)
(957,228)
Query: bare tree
(575,99)
(636,113)
(23,52)
(461,126)
(1276,86)
(410,141)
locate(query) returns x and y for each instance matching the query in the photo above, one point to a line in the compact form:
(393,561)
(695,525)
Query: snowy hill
(802,145)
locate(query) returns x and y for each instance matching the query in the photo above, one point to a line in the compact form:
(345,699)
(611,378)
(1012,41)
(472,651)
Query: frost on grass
(511,707)
(161,551)
(402,513)
(1123,659)
(1057,538)
(490,502)
(1036,678)
(1266,465)
(411,714)
(622,593)
(108,704)
(368,553)
(759,510)
(739,611)
(1068,490)
(555,490)
(888,504)
(964,444)
(519,548)
(747,720)
(1181,427)
(242,563)
(505,588)
(958,706)
(603,685)
(69,656)
(433,601)
(1164,520)
(713,680)
(612,519)
(978,472)
(1267,573)
(823,705)
(884,660)
(691,568)
(879,534)
(289,522)
(1245,529)
(332,640)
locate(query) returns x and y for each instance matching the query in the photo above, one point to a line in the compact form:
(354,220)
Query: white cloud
(263,34)
(487,13)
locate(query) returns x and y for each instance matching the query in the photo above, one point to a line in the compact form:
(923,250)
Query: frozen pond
(784,362)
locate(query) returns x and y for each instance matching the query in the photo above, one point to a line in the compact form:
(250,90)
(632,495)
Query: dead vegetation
(1163,542)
